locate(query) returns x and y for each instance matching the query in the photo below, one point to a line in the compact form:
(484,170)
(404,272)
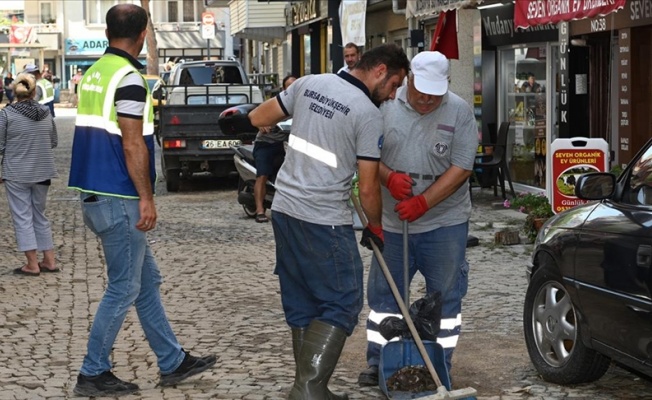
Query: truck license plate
(219,144)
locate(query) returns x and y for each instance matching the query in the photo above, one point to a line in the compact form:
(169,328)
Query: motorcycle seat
(248,152)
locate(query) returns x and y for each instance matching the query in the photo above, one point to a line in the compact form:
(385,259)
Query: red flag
(444,40)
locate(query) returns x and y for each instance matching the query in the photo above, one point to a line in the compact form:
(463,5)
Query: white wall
(462,70)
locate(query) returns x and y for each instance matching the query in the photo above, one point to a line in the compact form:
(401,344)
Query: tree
(150,39)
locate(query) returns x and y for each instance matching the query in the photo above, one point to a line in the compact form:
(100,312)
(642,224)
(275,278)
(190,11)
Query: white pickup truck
(188,130)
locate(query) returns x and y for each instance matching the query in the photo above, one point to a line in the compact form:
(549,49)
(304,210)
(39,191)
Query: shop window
(96,10)
(188,11)
(173,11)
(45,13)
(524,85)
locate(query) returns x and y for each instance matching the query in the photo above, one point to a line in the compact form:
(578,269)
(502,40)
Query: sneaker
(190,366)
(104,384)
(369,377)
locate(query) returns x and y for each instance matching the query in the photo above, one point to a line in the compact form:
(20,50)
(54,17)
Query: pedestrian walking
(9,87)
(76,80)
(269,152)
(27,137)
(113,168)
(336,124)
(429,149)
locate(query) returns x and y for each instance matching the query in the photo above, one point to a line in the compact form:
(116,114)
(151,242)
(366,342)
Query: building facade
(592,75)
(71,33)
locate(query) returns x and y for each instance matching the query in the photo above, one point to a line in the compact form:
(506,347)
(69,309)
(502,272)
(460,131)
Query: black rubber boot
(297,341)
(319,352)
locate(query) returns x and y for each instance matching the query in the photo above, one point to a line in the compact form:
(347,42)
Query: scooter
(235,120)
(244,162)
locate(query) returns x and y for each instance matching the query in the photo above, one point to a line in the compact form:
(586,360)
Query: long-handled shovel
(442,392)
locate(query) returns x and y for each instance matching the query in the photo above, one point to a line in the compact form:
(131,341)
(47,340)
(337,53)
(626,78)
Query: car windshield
(203,75)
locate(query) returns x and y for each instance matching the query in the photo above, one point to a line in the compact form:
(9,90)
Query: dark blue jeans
(320,272)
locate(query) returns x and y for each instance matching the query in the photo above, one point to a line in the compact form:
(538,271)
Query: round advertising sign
(207,18)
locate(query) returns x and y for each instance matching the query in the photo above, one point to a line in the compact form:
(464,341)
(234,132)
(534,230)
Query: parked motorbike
(235,120)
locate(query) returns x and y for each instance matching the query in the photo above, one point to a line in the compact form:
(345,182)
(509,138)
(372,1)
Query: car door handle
(637,309)
(644,256)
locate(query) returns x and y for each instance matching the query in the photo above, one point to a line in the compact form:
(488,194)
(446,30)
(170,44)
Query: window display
(524,105)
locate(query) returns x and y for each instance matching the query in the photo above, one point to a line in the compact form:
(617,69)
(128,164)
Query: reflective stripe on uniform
(111,127)
(448,342)
(451,323)
(376,337)
(449,331)
(448,335)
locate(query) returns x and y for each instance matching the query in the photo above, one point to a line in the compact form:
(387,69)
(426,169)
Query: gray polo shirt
(334,124)
(425,146)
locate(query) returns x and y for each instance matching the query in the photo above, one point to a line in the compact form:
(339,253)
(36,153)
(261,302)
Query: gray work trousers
(27,205)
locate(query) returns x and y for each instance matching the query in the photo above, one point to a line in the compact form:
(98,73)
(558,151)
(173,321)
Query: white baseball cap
(430,70)
(31,68)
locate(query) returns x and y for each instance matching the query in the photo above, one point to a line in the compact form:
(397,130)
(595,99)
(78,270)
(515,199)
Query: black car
(589,298)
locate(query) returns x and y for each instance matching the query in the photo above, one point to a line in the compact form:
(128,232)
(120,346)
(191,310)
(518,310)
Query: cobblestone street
(221,297)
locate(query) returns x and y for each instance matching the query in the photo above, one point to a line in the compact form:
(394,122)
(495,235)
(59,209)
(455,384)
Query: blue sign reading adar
(86,46)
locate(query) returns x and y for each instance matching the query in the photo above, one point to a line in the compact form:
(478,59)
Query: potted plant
(538,210)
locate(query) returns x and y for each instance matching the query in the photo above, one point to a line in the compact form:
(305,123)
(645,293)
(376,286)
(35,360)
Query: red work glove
(399,185)
(412,208)
(375,234)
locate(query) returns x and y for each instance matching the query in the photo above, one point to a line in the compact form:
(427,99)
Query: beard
(376,97)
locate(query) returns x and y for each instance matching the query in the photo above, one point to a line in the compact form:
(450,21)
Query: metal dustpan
(403,353)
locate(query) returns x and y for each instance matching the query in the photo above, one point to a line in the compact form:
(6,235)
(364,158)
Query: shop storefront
(526,89)
(81,53)
(618,64)
(309,35)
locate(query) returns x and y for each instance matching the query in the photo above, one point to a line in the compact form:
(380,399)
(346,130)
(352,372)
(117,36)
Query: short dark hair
(126,21)
(286,79)
(389,54)
(352,45)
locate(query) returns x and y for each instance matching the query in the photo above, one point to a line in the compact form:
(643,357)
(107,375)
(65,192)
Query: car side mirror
(595,186)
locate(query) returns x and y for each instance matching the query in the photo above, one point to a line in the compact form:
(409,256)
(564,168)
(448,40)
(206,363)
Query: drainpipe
(395,8)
